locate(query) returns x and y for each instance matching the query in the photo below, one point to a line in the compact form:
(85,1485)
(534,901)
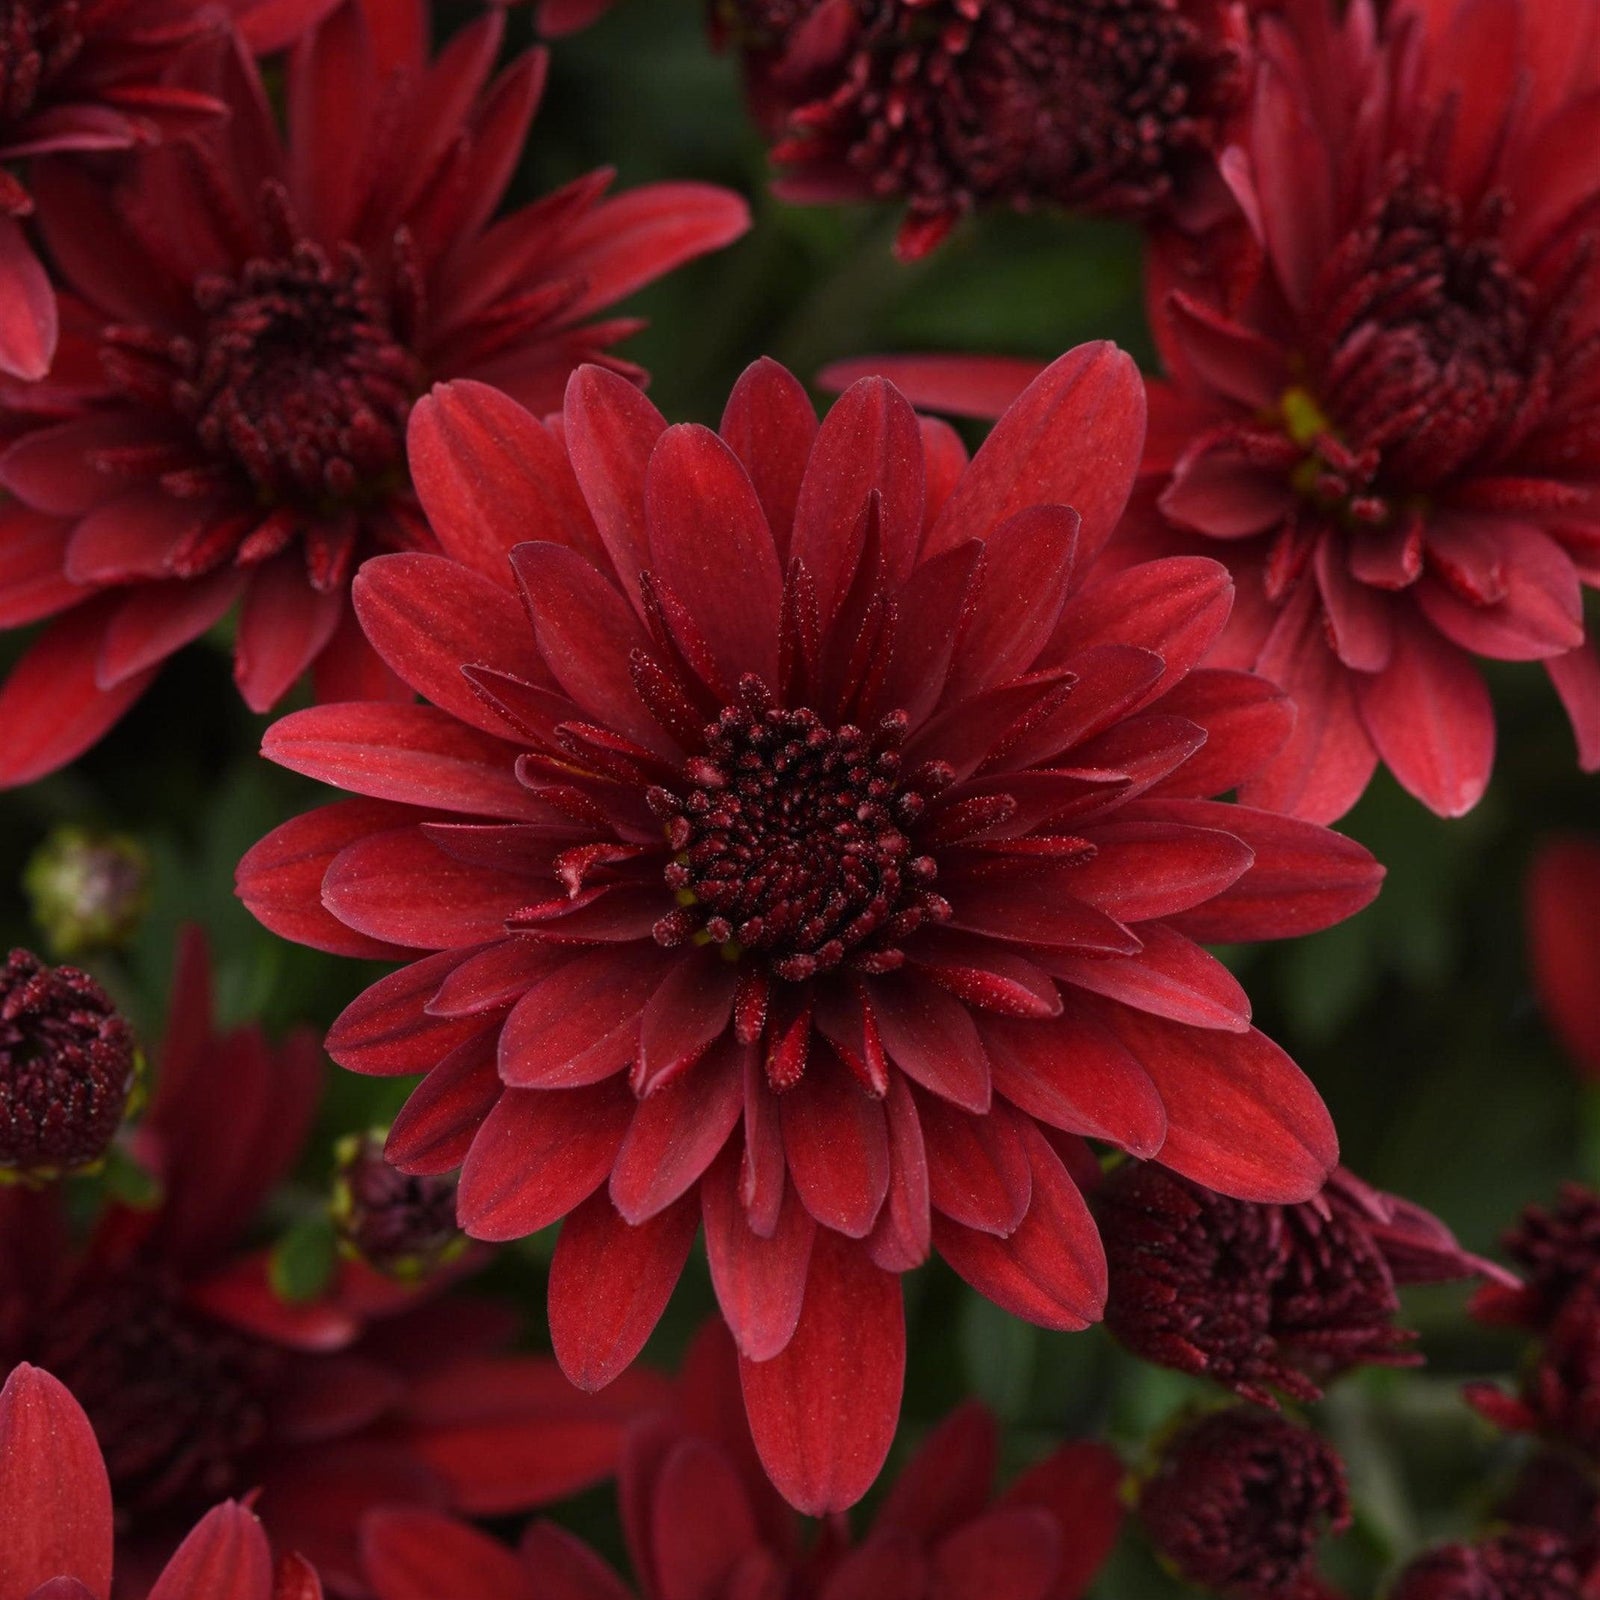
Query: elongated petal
(1241,1116)
(823,1412)
(932,1039)
(710,543)
(421,1555)
(770,425)
(962,386)
(227,1557)
(28,325)
(539,1154)
(1052,1269)
(55,1498)
(610,1282)
(759,1282)
(978,1171)
(837,1146)
(1071,438)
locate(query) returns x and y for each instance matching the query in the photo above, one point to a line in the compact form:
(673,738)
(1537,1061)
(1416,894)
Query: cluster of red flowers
(801,832)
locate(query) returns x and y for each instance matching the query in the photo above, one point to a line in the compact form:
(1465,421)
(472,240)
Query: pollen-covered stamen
(39,40)
(1425,350)
(67,1068)
(178,1402)
(792,839)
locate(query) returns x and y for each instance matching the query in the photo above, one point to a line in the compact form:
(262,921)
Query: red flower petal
(226,1558)
(759,1282)
(701,1522)
(55,1499)
(823,1413)
(51,708)
(1052,1269)
(837,1145)
(283,625)
(1081,1487)
(963,386)
(1071,1073)
(538,1155)
(156,620)
(1246,720)
(1576,676)
(869,441)
(567,1568)
(677,1132)
(1071,438)
(1563,922)
(1013,1551)
(948,1481)
(27,307)
(408,753)
(579,1023)
(611,430)
(433,1131)
(610,1282)
(422,1555)
(1241,1116)
(403,888)
(32,583)
(490,477)
(684,1017)
(1170,978)
(280,878)
(932,1039)
(978,1171)
(1430,717)
(428,618)
(1144,868)
(709,541)
(903,1234)
(770,425)
(1302,879)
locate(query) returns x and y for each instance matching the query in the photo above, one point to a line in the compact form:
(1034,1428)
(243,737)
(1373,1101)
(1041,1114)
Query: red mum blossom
(1381,407)
(1563,923)
(1522,1564)
(804,845)
(1558,1249)
(251,318)
(702,1522)
(201,1383)
(1263,1297)
(1110,106)
(67,1068)
(1239,1503)
(55,1510)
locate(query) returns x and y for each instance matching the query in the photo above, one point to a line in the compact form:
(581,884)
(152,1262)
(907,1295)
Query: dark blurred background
(1416,1019)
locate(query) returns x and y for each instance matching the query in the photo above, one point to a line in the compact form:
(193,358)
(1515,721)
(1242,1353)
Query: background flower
(250,319)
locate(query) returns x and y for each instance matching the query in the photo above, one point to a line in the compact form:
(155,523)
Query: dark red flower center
(397,1223)
(1558,1248)
(299,379)
(790,839)
(1240,1501)
(178,1402)
(1423,352)
(39,40)
(67,1067)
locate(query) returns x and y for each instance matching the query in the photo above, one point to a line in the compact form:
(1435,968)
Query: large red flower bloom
(1384,384)
(1112,106)
(201,1383)
(56,1531)
(702,1522)
(805,846)
(250,320)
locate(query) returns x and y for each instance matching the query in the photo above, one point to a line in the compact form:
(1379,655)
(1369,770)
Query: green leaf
(999,1351)
(303,1260)
(128,1182)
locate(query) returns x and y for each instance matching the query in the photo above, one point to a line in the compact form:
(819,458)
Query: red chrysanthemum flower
(805,845)
(250,320)
(702,1522)
(1262,1297)
(1563,934)
(1521,1564)
(1110,106)
(201,1383)
(56,1530)
(1381,409)
(1239,1503)
(1558,1250)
